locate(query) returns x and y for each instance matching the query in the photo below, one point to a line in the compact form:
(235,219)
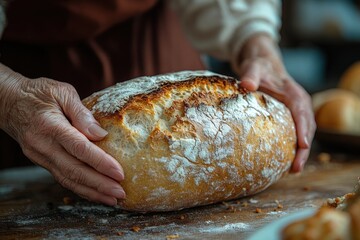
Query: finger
(300,105)
(301,157)
(79,178)
(72,171)
(81,117)
(251,77)
(81,148)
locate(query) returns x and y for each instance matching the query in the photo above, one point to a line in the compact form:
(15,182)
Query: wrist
(259,45)
(10,83)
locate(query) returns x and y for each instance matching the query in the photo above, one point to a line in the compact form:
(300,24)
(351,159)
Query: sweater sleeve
(220,27)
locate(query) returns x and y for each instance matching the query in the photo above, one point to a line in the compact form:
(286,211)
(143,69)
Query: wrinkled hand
(261,68)
(53,128)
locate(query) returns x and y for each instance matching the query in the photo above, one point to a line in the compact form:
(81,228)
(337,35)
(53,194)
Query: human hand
(52,126)
(261,68)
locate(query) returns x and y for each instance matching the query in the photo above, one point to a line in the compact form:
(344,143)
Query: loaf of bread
(350,79)
(192,138)
(337,110)
(327,223)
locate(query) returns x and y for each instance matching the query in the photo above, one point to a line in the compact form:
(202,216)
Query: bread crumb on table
(67,200)
(324,157)
(135,228)
(173,236)
(258,210)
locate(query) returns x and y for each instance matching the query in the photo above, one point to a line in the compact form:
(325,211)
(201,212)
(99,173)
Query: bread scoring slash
(192,138)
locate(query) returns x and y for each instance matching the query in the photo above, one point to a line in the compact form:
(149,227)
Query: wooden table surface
(32,206)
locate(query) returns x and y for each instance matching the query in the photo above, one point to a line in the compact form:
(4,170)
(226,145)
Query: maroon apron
(91,44)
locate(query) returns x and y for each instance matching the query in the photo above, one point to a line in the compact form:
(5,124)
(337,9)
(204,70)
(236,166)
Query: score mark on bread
(192,138)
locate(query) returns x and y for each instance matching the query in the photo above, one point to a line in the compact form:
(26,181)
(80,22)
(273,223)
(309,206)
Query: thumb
(82,119)
(250,76)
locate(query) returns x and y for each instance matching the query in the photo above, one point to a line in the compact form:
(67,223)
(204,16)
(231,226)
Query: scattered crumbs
(258,210)
(172,236)
(306,188)
(67,200)
(279,205)
(135,229)
(231,208)
(245,204)
(324,157)
(120,233)
(182,217)
(253,200)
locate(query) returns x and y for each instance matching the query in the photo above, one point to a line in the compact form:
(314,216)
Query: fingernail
(306,141)
(116,174)
(97,131)
(118,193)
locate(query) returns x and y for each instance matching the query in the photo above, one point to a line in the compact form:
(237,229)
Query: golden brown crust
(350,80)
(194,140)
(338,218)
(327,223)
(354,212)
(337,110)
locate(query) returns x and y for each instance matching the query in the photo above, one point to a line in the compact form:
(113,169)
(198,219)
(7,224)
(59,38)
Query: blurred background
(320,40)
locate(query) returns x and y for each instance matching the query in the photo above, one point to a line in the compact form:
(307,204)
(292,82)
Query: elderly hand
(260,67)
(54,129)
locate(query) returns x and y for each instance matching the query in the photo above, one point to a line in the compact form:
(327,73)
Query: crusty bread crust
(337,110)
(326,223)
(192,138)
(350,79)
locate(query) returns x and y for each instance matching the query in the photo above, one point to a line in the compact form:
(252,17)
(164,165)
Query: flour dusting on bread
(113,98)
(193,138)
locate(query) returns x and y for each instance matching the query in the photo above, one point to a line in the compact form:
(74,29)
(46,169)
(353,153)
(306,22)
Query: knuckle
(66,182)
(77,175)
(81,149)
(101,188)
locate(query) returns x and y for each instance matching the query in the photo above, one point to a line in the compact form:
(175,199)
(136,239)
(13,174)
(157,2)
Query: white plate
(272,231)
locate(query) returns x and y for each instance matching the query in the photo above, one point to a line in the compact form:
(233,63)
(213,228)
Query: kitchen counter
(33,206)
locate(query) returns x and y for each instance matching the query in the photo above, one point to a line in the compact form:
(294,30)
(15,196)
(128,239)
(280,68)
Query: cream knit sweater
(220,27)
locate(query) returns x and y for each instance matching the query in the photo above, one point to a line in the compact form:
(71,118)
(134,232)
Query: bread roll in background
(350,79)
(192,138)
(337,110)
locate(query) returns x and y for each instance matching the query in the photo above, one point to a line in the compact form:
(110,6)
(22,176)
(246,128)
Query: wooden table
(32,206)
